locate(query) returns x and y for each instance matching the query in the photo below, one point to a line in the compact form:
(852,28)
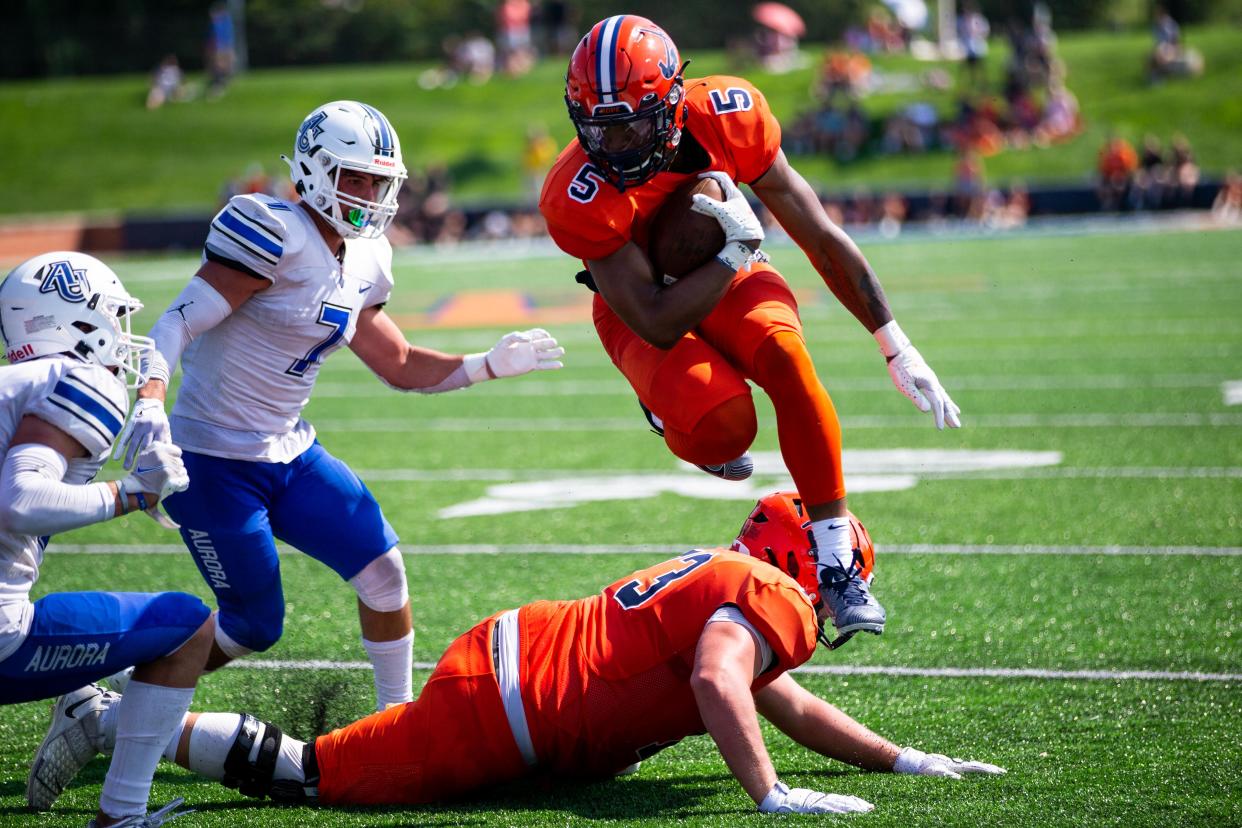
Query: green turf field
(1099,358)
(87,144)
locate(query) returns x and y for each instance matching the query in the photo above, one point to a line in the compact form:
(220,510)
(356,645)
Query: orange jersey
(605,680)
(589,219)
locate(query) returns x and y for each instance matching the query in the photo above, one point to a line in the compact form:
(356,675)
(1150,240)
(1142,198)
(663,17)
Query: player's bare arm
(660,314)
(794,204)
(382,347)
(723,671)
(845,270)
(814,723)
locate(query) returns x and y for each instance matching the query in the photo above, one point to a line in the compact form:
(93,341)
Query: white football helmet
(71,303)
(348,135)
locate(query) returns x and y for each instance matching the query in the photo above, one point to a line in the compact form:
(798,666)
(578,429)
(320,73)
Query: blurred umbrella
(779,18)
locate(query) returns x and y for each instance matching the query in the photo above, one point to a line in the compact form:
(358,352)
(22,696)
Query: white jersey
(247,380)
(88,403)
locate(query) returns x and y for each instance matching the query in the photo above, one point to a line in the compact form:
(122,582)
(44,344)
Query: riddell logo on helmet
(383,162)
(18,354)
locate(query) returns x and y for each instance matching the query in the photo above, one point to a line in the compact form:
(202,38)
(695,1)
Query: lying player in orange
(586,688)
(689,347)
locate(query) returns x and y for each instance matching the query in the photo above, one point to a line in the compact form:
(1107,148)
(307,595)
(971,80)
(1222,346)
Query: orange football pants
(453,738)
(698,387)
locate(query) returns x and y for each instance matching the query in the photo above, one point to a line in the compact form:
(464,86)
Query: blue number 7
(330,316)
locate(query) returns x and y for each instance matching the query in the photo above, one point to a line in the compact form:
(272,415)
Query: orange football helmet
(625,98)
(779,531)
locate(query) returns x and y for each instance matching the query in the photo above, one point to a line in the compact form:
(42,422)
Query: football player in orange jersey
(688,347)
(587,688)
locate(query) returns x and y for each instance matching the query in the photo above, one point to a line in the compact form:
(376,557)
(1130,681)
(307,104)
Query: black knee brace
(252,778)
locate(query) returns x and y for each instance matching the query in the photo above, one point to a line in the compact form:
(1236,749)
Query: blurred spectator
(1227,206)
(1061,118)
(425,214)
(471,57)
(220,56)
(474,57)
(1150,184)
(969,186)
(1117,163)
(166,83)
(1003,212)
(1169,57)
(559,22)
(513,41)
(1185,172)
(973,31)
(892,215)
(843,72)
(537,157)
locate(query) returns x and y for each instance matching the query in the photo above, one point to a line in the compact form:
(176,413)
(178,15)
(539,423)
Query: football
(682,240)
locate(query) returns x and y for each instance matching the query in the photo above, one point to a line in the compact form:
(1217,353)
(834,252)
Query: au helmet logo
(668,66)
(64,280)
(311,130)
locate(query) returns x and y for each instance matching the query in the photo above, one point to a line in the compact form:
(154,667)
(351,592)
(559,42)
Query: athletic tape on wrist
(735,255)
(892,339)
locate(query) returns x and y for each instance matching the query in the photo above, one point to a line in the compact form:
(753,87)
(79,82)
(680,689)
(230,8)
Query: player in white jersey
(65,320)
(282,286)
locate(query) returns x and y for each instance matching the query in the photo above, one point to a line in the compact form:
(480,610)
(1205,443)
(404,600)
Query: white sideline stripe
(506,425)
(516,475)
(841,670)
(669,549)
(620,388)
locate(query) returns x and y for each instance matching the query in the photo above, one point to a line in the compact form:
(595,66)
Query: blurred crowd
(522,32)
(1025,103)
(1032,105)
(1152,178)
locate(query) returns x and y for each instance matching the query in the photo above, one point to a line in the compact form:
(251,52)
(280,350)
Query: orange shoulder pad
(587,218)
(732,120)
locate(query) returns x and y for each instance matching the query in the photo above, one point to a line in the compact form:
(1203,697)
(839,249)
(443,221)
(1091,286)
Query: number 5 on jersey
(331,316)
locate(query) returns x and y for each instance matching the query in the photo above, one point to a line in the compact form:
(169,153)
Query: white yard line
(513,475)
(635,424)
(620,388)
(1232,392)
(668,549)
(843,670)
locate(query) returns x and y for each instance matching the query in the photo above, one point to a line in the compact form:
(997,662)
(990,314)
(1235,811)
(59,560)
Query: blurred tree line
(41,38)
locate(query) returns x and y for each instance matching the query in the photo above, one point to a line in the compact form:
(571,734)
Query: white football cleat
(73,739)
(152,820)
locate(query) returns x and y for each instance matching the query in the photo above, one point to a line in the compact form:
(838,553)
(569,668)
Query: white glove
(158,471)
(915,378)
(147,424)
(737,219)
(517,353)
(785,800)
(918,763)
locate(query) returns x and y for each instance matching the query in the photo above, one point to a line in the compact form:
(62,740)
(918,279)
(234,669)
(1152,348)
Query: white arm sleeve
(198,308)
(35,501)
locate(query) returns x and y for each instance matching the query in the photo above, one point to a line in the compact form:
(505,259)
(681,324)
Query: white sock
(394,663)
(832,539)
(145,719)
(213,737)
